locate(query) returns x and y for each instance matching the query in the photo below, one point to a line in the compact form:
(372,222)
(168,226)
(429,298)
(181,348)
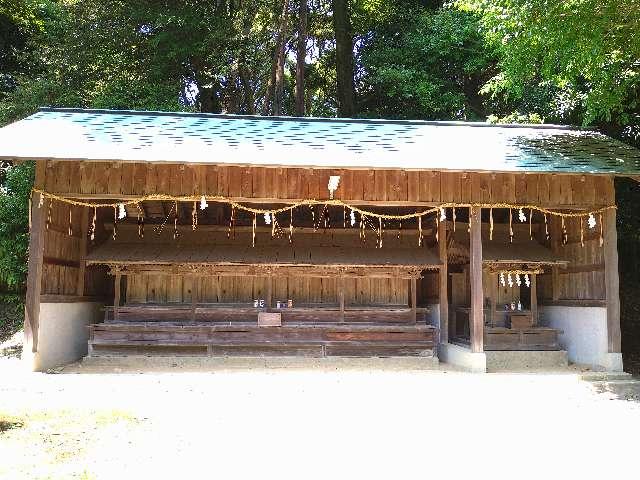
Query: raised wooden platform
(523,339)
(157,332)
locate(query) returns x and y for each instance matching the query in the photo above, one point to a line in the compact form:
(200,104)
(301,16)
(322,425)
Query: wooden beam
(117,284)
(341,297)
(36,253)
(476,322)
(413,288)
(534,299)
(84,242)
(612,282)
(444,282)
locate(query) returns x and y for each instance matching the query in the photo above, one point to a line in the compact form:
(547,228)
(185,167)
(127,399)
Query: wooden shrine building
(196,234)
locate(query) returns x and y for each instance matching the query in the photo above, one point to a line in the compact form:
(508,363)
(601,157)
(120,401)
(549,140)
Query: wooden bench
(250,340)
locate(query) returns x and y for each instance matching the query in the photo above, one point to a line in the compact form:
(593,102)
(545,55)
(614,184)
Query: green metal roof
(75,134)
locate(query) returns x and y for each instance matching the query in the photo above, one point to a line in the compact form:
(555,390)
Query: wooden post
(493,278)
(269,291)
(476,321)
(195,295)
(612,281)
(341,297)
(444,281)
(534,299)
(413,286)
(116,295)
(556,233)
(84,241)
(36,253)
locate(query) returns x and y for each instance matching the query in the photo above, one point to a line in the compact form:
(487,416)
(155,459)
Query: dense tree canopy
(575,61)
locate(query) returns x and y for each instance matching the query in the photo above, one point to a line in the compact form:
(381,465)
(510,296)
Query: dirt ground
(246,421)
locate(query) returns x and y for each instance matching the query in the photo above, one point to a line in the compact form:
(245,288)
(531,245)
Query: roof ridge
(365,121)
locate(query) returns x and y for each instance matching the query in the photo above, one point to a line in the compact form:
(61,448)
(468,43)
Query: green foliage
(587,49)
(516,117)
(14,230)
(11,315)
(425,64)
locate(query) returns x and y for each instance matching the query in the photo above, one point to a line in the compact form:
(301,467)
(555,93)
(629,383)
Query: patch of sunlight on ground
(306,423)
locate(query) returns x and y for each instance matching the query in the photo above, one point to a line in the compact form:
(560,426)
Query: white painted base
(584,334)
(63,334)
(462,357)
(612,362)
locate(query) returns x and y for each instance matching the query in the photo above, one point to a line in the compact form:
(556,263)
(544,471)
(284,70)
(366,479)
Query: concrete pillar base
(63,334)
(462,357)
(611,362)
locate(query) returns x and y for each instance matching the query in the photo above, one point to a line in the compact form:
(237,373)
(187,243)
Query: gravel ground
(247,421)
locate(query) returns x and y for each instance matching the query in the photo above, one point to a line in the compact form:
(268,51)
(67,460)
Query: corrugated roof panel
(324,143)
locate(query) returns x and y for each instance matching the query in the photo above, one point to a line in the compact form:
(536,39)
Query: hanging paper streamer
(93,224)
(420,232)
(41,200)
(399,229)
(253,230)
(518,282)
(491,224)
(115,222)
(601,232)
(232,222)
(454,218)
(521,216)
(122,212)
(175,221)
(510,226)
(530,226)
(70,230)
(527,282)
(502,280)
(326,219)
(267,218)
(203,202)
(443,214)
(49,208)
(581,232)
(363,234)
(591,221)
(546,228)
(565,235)
(344,217)
(274,223)
(509,280)
(334,181)
(291,226)
(194,216)
(140,222)
(352,218)
(437,227)
(379,233)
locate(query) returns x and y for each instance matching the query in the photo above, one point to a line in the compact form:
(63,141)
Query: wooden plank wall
(61,262)
(303,291)
(583,279)
(103,179)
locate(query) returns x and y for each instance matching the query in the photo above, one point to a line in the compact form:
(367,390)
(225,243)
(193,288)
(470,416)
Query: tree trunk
(278,94)
(302,54)
(209,100)
(344,58)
